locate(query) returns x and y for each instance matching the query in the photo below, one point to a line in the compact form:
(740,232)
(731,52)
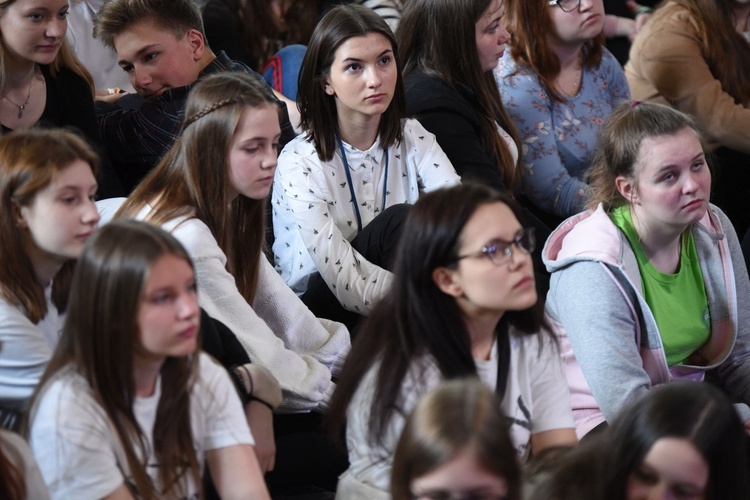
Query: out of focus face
(461,477)
(486,282)
(491,35)
(671,470)
(168,318)
(577,26)
(61,217)
(34,30)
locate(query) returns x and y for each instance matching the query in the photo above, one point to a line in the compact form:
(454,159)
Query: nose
(585,5)
(90,214)
(503,35)
(270,160)
(188,305)
(56,29)
(373,77)
(141,78)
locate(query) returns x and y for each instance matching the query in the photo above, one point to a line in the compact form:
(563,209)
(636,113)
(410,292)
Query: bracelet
(242,382)
(643,10)
(261,401)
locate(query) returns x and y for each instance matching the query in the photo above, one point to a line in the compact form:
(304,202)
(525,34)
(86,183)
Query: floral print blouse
(559,139)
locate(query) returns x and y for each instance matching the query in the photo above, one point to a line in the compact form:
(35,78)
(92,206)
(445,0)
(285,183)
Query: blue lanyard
(351,184)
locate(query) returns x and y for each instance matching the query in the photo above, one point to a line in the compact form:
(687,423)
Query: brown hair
(318,109)
(193,177)
(619,146)
(65,57)
(530,24)
(459,414)
(99,341)
(176,16)
(29,160)
(438,37)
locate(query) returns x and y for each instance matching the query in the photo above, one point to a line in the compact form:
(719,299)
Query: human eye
(385,60)
(35,17)
(127,68)
(161,298)
(492,28)
(645,476)
(150,56)
(275,146)
(699,164)
(668,177)
(63,14)
(353,67)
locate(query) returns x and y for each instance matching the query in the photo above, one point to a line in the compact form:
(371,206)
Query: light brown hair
(193,177)
(29,160)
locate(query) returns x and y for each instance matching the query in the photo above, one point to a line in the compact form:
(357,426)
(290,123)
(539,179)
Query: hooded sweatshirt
(609,340)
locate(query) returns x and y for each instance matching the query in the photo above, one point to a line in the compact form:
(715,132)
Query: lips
(189,333)
(693,204)
(375,97)
(591,19)
(50,47)
(524,282)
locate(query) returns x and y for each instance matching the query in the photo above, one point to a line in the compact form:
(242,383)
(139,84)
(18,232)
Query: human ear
(445,279)
(198,45)
(327,87)
(18,216)
(626,187)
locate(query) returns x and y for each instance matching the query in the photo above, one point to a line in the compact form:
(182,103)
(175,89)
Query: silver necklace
(22,107)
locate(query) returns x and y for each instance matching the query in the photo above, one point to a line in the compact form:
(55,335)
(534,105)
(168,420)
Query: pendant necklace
(22,107)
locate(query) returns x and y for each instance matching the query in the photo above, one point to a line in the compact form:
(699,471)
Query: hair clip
(634,104)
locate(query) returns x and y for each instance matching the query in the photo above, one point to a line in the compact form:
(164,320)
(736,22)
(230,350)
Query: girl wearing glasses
(649,285)
(463,304)
(340,188)
(559,85)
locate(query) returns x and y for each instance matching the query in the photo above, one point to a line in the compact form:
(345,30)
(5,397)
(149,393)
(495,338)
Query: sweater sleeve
(734,373)
(667,57)
(281,309)
(601,328)
(306,382)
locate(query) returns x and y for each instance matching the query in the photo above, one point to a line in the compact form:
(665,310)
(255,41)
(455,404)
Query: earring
(329,90)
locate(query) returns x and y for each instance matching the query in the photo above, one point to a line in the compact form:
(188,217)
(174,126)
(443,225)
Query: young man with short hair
(161,45)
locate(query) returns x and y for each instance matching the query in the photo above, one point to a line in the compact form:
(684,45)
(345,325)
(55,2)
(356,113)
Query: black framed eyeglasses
(566,5)
(500,252)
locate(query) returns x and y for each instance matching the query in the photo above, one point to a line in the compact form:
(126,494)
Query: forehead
(52,5)
(674,149)
(363,47)
(144,33)
(259,122)
(490,221)
(493,10)
(167,270)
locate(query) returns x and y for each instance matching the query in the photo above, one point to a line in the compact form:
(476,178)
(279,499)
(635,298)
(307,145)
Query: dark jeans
(377,243)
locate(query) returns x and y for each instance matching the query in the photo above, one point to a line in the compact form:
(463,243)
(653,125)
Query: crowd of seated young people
(413,202)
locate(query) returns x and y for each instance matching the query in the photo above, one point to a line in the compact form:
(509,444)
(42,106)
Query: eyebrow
(261,138)
(138,54)
(355,59)
(672,165)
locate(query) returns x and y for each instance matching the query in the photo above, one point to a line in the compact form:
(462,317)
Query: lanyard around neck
(351,184)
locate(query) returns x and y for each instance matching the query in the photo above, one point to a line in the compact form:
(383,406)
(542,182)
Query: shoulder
(67,395)
(195,236)
(426,92)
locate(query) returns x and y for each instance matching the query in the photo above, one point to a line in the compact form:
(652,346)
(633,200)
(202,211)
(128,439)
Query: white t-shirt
(77,447)
(536,400)
(25,350)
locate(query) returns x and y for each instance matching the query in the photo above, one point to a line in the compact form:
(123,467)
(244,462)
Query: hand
(260,419)
(109,95)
